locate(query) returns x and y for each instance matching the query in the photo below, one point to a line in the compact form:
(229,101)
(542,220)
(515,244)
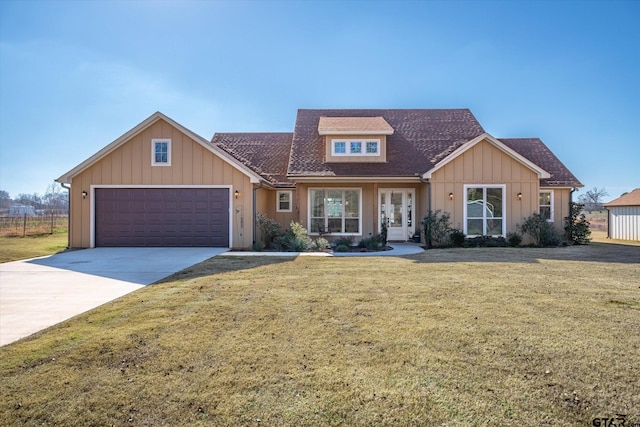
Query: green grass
(458,337)
(16,248)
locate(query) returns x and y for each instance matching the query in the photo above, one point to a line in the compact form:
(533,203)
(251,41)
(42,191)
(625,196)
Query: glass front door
(396,210)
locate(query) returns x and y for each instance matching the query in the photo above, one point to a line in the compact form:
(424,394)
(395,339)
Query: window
(284,201)
(484,210)
(546,205)
(355,147)
(160,152)
(335,211)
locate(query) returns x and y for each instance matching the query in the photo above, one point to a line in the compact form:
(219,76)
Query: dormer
(355,139)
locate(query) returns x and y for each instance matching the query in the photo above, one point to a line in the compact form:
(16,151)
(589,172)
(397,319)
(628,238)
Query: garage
(168,217)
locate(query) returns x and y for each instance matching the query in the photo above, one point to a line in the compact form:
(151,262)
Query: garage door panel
(162,217)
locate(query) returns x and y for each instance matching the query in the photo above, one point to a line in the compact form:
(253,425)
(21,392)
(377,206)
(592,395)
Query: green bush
(541,231)
(269,229)
(457,238)
(295,239)
(576,225)
(343,240)
(342,248)
(371,243)
(258,247)
(437,228)
(514,239)
(320,244)
(485,242)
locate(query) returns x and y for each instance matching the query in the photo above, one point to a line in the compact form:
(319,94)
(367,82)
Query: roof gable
(496,143)
(419,138)
(67,177)
(354,126)
(629,199)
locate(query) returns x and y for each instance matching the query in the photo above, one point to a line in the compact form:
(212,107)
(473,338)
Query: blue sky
(75,75)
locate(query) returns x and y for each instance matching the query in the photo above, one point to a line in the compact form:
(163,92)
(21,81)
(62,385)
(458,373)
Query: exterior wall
(356,159)
(266,204)
(561,199)
(191,165)
(624,222)
(369,214)
(485,164)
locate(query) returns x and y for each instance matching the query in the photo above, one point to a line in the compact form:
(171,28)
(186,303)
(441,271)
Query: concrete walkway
(40,292)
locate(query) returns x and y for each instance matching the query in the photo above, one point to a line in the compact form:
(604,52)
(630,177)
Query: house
(624,216)
(339,173)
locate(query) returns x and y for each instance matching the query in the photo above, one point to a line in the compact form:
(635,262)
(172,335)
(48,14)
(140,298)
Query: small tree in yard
(437,228)
(576,225)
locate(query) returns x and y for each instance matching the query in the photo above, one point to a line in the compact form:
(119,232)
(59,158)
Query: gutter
(255,211)
(68,214)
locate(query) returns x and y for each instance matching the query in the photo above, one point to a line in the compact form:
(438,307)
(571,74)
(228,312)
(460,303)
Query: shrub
(457,238)
(514,239)
(258,246)
(436,229)
(540,230)
(342,248)
(344,240)
(371,243)
(269,229)
(486,242)
(320,244)
(576,225)
(295,239)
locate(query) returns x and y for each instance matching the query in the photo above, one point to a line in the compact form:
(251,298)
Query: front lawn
(16,248)
(451,337)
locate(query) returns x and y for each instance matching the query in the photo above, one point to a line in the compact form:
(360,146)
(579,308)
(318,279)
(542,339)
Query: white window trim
(310,208)
(551,206)
(504,207)
(153,152)
(290,193)
(348,147)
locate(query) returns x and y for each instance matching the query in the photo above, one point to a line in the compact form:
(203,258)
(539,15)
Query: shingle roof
(265,153)
(629,199)
(421,138)
(350,125)
(536,151)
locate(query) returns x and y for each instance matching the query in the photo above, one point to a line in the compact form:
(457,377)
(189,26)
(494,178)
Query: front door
(396,210)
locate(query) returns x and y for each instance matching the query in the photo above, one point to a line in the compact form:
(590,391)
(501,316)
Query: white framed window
(335,211)
(284,201)
(546,204)
(355,147)
(160,152)
(484,210)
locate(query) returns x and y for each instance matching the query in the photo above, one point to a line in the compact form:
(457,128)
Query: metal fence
(25,225)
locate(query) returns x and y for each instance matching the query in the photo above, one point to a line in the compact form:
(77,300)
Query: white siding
(624,222)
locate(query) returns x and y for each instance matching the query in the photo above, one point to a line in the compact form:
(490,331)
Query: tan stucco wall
(191,164)
(485,164)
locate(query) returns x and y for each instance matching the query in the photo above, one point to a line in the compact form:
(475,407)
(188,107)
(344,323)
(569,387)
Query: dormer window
(355,147)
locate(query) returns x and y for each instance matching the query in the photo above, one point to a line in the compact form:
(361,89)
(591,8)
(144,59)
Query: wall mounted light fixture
(450,196)
(519,196)
(236,194)
(84,194)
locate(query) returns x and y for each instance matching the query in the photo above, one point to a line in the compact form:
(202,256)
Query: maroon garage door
(162,217)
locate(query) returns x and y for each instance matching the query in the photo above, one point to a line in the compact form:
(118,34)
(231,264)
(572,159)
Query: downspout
(68,214)
(255,210)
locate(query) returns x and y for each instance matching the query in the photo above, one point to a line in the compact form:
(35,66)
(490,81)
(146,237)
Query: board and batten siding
(624,222)
(485,164)
(130,165)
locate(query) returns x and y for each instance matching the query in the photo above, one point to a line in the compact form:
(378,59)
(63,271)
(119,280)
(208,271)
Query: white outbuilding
(624,216)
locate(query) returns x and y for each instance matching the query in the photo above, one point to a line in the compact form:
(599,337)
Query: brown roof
(537,152)
(629,199)
(421,138)
(350,125)
(267,154)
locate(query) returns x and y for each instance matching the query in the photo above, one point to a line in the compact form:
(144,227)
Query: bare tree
(5,200)
(592,199)
(55,200)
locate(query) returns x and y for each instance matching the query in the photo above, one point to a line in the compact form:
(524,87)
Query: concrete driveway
(40,292)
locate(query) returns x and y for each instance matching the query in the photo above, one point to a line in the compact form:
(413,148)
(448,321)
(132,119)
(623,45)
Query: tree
(5,200)
(592,199)
(34,200)
(55,200)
